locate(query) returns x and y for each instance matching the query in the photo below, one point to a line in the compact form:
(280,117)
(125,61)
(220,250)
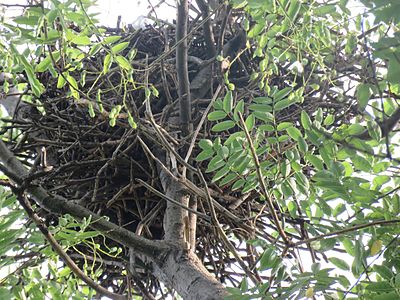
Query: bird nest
(91,154)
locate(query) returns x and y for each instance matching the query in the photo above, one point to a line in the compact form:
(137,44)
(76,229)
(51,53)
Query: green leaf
(238,184)
(361,163)
(119,47)
(355,129)
(225,125)
(374,130)
(228,179)
(36,86)
(24,20)
(305,120)
(73,86)
(64,272)
(363,94)
(351,44)
(267,260)
(132,54)
(91,110)
(111,39)
(250,122)
(262,100)
(284,125)
(217,115)
(282,94)
(379,287)
(315,161)
(340,263)
(107,63)
(260,107)
(294,9)
(43,65)
(81,40)
(282,104)
(131,121)
(249,186)
(60,81)
(238,108)
(257,28)
(302,144)
(292,207)
(206,144)
(204,155)
(264,116)
(5,293)
(123,62)
(380,180)
(220,174)
(384,271)
(294,133)
(227,103)
(216,163)
(329,120)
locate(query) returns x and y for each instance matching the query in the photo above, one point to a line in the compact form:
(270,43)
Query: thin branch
(60,251)
(263,184)
(222,234)
(346,230)
(161,195)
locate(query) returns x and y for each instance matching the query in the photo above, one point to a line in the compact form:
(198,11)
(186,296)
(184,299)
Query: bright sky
(132,12)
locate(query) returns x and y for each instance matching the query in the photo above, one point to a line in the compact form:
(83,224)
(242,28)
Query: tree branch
(60,205)
(207,29)
(182,66)
(60,251)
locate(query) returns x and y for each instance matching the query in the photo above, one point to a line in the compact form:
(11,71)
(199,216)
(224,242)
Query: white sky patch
(132,12)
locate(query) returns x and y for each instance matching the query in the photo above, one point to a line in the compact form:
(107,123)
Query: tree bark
(185,272)
(182,66)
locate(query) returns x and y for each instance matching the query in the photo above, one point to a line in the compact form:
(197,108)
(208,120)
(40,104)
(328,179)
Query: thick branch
(190,278)
(182,66)
(60,205)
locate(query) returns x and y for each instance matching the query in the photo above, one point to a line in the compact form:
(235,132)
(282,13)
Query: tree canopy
(245,150)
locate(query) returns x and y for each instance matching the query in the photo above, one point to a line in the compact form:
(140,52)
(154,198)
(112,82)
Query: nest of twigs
(102,166)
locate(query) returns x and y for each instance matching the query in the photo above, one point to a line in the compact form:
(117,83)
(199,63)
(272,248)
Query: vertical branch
(182,66)
(207,29)
(174,215)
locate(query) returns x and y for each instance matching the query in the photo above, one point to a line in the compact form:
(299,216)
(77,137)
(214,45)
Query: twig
(165,197)
(60,251)
(346,230)
(263,184)
(221,232)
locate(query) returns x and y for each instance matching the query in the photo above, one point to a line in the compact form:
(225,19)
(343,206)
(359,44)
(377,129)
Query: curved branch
(60,251)
(57,204)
